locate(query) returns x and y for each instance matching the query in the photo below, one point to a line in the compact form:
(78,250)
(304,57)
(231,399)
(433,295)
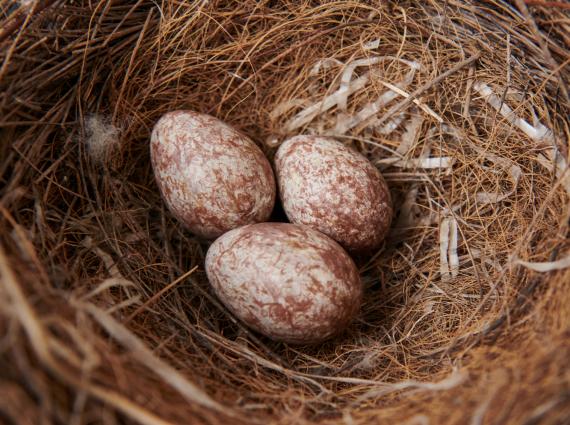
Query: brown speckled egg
(334,189)
(212,178)
(287,281)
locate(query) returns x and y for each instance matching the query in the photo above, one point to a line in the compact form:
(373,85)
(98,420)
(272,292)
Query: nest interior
(106,315)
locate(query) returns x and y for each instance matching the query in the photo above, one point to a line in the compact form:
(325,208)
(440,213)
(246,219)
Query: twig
(414,95)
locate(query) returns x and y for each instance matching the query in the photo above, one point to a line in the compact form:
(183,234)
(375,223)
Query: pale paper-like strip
(515,171)
(284,107)
(405,94)
(411,133)
(563,263)
(368,111)
(409,138)
(553,160)
(346,77)
(390,126)
(539,132)
(346,123)
(452,251)
(371,45)
(325,63)
(348,86)
(309,113)
(427,163)
(443,248)
(449,261)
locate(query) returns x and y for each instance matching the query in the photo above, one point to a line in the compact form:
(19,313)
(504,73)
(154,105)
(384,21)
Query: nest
(106,315)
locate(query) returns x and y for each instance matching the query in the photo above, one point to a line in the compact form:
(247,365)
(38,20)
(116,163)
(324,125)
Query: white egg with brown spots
(334,189)
(211,177)
(287,281)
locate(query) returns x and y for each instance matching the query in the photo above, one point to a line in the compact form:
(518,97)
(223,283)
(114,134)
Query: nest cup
(106,315)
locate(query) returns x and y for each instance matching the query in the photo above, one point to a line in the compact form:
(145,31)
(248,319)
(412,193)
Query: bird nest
(106,315)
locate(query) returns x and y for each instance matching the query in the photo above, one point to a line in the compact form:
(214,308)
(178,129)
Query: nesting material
(106,314)
(449,261)
(547,266)
(101,138)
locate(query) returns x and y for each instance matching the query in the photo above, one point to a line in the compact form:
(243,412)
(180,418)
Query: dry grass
(106,315)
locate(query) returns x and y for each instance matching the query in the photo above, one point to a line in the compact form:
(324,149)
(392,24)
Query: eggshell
(212,178)
(334,189)
(289,282)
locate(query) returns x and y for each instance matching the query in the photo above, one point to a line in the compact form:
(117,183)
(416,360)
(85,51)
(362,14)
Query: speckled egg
(212,178)
(334,189)
(287,281)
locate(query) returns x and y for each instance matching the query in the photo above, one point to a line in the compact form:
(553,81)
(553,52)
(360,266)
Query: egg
(286,281)
(211,177)
(334,189)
